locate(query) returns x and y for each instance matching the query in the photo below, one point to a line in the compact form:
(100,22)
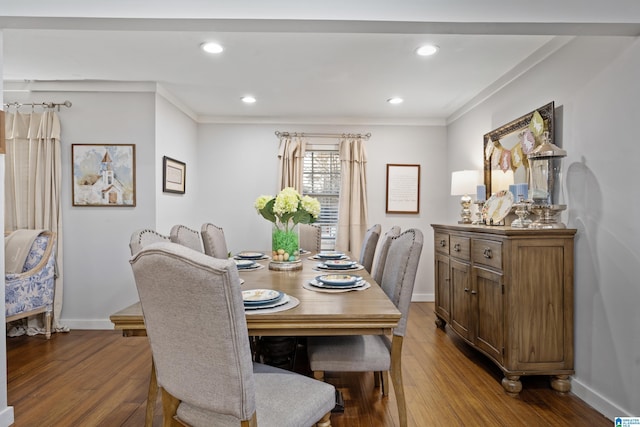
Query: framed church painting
(104,175)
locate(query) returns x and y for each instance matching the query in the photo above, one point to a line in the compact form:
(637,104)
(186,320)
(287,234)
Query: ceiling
(299,70)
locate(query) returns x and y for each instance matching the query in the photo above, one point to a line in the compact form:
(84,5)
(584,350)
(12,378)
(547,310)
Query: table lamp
(464,183)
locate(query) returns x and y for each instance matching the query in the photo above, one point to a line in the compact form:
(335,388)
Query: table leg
(151,396)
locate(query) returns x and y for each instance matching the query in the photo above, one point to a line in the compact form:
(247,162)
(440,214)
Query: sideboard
(508,292)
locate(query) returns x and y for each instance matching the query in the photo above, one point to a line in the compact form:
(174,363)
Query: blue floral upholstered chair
(30,290)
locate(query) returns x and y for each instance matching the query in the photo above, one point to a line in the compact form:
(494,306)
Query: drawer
(487,252)
(460,247)
(441,243)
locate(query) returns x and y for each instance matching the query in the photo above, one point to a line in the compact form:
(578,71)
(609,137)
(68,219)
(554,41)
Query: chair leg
(396,377)
(325,421)
(47,324)
(169,408)
(152,396)
(319,375)
(384,383)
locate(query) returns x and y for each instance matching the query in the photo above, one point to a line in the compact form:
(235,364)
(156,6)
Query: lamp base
(465,213)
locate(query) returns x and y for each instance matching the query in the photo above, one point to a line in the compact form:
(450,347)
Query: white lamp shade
(501,180)
(464,182)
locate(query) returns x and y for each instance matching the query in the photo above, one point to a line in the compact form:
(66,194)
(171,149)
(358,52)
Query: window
(321,179)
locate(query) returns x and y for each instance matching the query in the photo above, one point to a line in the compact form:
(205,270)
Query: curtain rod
(39,104)
(365,136)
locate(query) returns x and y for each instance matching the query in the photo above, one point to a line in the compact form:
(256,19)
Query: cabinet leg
(440,323)
(512,385)
(561,383)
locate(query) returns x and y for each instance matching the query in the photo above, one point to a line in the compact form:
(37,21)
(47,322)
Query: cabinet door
(442,288)
(487,300)
(460,281)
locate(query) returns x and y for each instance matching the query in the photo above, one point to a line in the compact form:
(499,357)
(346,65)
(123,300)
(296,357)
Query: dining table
(313,311)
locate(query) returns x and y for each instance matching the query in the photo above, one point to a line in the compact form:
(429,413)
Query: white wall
(242,164)
(97,277)
(594,83)
(176,137)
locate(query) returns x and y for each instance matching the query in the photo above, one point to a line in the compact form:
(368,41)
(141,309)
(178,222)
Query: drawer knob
(443,243)
(456,247)
(487,253)
(474,292)
(466,289)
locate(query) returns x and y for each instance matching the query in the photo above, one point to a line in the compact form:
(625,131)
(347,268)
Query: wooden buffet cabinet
(508,292)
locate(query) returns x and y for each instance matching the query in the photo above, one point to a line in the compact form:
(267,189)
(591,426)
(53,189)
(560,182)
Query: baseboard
(94,324)
(423,298)
(6,416)
(598,401)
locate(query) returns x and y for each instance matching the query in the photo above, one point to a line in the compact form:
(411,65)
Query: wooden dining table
(356,312)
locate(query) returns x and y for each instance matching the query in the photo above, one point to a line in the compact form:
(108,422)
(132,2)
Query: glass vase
(285,242)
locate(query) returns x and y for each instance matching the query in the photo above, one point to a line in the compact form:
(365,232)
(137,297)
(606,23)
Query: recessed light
(395,100)
(248,99)
(427,50)
(211,47)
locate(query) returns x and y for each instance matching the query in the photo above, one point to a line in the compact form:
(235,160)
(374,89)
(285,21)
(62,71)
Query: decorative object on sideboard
(506,148)
(546,185)
(464,183)
(481,197)
(497,208)
(522,211)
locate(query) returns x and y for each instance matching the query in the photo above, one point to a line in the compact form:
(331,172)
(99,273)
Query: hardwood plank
(99,378)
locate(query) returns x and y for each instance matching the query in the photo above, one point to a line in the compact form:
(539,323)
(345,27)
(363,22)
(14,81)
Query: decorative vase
(285,247)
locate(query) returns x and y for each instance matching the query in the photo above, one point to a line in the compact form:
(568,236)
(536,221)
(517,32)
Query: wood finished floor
(99,378)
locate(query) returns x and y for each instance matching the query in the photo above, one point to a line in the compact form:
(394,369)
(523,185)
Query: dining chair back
(369,244)
(186,236)
(310,237)
(202,354)
(143,237)
(377,353)
(214,242)
(378,267)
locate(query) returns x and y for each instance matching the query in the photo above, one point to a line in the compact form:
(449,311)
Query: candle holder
(478,215)
(522,211)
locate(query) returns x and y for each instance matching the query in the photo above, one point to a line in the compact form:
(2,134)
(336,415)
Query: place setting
(329,256)
(338,265)
(334,283)
(247,261)
(267,301)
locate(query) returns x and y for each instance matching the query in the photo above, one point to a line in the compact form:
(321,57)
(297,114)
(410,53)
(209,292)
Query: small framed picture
(104,175)
(173,175)
(403,189)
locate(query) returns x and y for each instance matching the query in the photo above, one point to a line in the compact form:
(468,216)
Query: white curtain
(33,187)
(290,162)
(352,211)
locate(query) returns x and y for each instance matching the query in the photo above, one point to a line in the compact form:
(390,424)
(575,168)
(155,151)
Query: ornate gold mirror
(506,148)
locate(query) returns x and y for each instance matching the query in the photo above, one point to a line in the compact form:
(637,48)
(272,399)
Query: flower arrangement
(285,211)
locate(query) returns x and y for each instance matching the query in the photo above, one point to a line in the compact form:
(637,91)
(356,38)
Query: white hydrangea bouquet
(286,211)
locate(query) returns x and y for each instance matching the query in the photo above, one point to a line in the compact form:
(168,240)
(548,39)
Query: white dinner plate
(338,279)
(260,296)
(356,285)
(282,301)
(250,255)
(244,263)
(330,255)
(339,264)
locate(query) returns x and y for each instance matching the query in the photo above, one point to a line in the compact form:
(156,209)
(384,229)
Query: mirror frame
(521,123)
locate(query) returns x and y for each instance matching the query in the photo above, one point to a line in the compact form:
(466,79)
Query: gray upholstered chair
(215,244)
(369,244)
(310,237)
(378,267)
(143,237)
(377,353)
(202,354)
(186,236)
